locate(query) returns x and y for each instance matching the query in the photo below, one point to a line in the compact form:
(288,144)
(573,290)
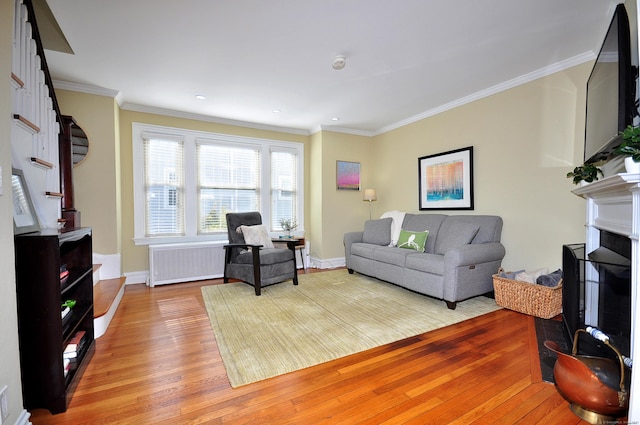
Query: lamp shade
(370,195)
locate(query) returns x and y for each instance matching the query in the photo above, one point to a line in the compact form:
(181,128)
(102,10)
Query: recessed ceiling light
(276,111)
(335,119)
(200,97)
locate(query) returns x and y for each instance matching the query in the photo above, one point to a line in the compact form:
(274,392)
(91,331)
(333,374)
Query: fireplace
(597,291)
(612,225)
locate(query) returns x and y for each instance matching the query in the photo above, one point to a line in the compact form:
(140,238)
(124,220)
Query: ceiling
(405,59)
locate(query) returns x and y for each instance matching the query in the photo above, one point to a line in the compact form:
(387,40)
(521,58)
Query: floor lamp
(370,195)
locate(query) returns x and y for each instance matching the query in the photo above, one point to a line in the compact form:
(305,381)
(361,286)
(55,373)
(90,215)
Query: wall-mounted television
(610,91)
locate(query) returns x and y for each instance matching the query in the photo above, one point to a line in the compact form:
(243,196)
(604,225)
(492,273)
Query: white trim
(23,419)
(514,82)
(110,265)
(206,118)
(85,88)
(137,277)
(327,263)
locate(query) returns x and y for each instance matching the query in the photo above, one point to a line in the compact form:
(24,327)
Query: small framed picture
(347,175)
(445,180)
(25,219)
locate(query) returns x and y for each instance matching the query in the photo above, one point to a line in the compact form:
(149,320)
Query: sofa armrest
(350,238)
(468,270)
(468,255)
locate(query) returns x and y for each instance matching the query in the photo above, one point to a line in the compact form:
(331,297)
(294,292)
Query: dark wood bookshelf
(43,333)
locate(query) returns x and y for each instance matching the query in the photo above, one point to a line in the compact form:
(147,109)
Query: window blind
(228,181)
(284,191)
(164,187)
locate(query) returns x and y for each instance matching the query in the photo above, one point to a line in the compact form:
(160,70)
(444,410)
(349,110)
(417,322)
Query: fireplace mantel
(613,204)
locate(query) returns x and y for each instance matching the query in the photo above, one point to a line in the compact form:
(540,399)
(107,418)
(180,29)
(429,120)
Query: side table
(298,243)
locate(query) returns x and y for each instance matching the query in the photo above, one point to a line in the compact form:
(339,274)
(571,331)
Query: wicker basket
(528,298)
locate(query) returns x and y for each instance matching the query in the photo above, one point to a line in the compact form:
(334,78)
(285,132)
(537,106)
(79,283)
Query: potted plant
(585,172)
(630,149)
(288,225)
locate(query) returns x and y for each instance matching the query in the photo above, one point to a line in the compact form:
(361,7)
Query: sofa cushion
(391,255)
(428,263)
(364,250)
(413,240)
(377,232)
(451,237)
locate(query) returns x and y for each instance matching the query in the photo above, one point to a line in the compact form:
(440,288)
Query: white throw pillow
(256,235)
(396,224)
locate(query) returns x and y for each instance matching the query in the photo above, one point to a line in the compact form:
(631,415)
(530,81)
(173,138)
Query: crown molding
(523,79)
(342,130)
(199,117)
(85,88)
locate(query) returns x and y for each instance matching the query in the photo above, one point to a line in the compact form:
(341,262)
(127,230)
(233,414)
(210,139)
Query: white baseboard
(23,419)
(110,265)
(327,263)
(137,277)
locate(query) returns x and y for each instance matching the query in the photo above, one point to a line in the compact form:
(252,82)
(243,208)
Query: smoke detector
(339,62)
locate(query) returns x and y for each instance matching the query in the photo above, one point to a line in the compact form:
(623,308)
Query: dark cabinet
(54,282)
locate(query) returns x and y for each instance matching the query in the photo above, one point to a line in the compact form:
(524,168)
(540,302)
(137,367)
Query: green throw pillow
(413,240)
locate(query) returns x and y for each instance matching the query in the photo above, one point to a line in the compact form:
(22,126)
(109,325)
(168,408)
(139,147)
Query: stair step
(105,293)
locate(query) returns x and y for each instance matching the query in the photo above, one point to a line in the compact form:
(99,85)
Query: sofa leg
(451,305)
(350,271)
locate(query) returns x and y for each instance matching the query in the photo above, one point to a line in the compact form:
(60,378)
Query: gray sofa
(461,254)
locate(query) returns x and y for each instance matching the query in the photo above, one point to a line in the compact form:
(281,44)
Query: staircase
(107,294)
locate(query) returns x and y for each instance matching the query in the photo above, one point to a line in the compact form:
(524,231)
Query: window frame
(190,139)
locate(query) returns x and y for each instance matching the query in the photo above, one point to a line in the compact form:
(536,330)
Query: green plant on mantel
(630,147)
(585,172)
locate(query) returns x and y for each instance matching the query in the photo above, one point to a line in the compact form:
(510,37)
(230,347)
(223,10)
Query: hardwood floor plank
(159,363)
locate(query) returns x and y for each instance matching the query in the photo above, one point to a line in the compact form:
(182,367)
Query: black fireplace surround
(612,261)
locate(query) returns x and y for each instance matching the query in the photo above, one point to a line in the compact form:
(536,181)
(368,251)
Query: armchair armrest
(241,245)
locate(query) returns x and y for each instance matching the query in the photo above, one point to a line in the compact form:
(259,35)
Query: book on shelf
(63,276)
(64,311)
(74,346)
(65,308)
(67,366)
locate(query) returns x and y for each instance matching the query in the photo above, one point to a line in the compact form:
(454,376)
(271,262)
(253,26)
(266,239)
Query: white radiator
(182,262)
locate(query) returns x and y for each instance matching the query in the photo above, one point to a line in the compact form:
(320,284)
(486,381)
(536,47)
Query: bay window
(186,181)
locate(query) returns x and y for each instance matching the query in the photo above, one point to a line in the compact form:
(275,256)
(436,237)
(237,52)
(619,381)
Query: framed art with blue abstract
(445,180)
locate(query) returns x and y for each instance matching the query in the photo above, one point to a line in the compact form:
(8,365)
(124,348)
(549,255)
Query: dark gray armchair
(254,264)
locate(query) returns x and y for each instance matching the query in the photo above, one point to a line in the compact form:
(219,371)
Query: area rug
(328,315)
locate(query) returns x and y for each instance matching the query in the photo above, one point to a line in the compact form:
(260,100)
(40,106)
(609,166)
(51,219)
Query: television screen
(609,91)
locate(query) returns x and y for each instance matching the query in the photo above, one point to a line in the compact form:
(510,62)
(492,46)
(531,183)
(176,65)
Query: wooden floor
(158,363)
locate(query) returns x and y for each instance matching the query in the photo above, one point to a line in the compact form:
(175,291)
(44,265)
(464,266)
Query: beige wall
(136,258)
(9,355)
(340,210)
(525,140)
(96,179)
